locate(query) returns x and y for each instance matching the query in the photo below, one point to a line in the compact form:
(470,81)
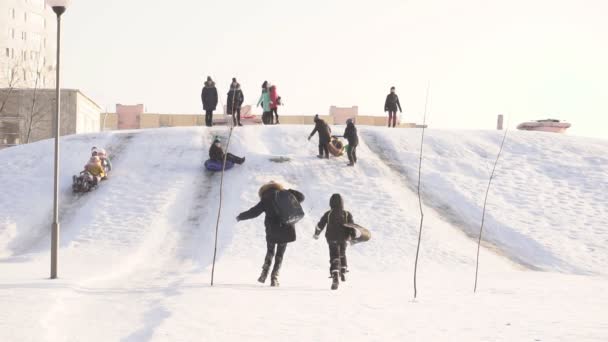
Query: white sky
(529,59)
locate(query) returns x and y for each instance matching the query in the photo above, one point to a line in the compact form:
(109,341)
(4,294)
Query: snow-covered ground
(135,257)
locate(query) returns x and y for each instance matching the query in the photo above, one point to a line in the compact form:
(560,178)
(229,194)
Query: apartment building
(27,44)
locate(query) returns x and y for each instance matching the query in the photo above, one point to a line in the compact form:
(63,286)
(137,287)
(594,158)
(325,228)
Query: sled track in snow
(70,202)
(466,225)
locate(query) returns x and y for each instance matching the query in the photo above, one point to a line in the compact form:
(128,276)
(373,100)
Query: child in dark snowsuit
(337,237)
(350,134)
(278,235)
(217,153)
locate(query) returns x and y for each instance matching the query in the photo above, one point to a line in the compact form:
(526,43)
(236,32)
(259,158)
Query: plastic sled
(215,166)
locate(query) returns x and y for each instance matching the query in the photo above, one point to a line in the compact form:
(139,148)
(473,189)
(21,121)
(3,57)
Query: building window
(11,33)
(25,16)
(24,55)
(24,75)
(24,35)
(13,13)
(8,52)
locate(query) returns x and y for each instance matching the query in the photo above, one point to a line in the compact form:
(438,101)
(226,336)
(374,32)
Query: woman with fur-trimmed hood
(209,98)
(278,235)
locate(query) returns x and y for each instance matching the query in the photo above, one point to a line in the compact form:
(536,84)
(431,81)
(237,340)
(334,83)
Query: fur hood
(209,84)
(272,185)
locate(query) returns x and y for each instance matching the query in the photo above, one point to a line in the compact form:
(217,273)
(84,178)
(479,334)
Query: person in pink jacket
(274,103)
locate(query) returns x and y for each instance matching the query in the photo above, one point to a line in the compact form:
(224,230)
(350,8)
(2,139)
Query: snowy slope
(136,253)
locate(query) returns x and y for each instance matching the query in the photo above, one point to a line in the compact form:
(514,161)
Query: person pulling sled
(337,237)
(282,208)
(324,136)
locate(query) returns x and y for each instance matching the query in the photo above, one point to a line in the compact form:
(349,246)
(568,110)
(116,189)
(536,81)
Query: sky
(526,59)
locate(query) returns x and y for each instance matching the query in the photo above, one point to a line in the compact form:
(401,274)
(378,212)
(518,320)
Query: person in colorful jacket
(266,104)
(274,104)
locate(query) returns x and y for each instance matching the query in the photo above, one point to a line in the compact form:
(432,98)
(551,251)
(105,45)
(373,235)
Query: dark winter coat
(276,232)
(324,131)
(216,153)
(236,98)
(209,96)
(350,134)
(335,220)
(392,103)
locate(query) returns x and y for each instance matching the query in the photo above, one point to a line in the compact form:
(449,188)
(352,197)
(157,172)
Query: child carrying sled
(337,237)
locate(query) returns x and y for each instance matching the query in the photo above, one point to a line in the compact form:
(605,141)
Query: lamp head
(58,6)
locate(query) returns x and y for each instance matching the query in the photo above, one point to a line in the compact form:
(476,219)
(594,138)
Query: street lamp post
(59,7)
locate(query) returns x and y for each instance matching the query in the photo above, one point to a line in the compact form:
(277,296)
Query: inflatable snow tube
(215,166)
(336,147)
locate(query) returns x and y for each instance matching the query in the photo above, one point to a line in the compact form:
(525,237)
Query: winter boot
(335,280)
(320,156)
(343,274)
(263,276)
(274,281)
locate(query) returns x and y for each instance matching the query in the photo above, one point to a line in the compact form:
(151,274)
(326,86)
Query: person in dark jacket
(278,235)
(324,136)
(390,105)
(235,101)
(217,153)
(337,236)
(209,98)
(350,134)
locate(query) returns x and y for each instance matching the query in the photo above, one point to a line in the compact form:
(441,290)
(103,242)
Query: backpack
(287,207)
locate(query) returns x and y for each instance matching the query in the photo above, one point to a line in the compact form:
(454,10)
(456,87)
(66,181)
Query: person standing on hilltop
(235,101)
(274,104)
(266,104)
(209,98)
(390,105)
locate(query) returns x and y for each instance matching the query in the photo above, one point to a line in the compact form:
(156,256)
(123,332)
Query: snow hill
(135,254)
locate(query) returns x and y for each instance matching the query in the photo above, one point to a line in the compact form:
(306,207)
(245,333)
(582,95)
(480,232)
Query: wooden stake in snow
(485,201)
(219,210)
(419,197)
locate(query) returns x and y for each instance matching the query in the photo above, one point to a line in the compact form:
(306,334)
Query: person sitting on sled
(105,160)
(95,169)
(337,236)
(216,153)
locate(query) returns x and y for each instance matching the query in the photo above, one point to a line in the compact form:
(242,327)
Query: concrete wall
(179,120)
